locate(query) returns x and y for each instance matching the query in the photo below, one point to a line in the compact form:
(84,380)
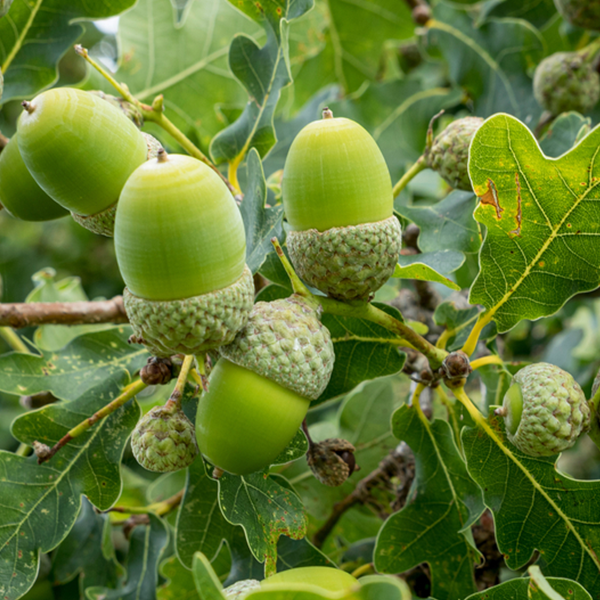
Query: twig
(389,467)
(419,166)
(177,392)
(128,393)
(491,359)
(159,508)
(13,340)
(25,314)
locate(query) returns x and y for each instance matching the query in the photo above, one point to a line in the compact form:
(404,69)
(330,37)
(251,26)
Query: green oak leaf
(266,508)
(85,363)
(206,580)
(542,222)
(448,224)
(536,587)
(537,12)
(47,289)
(186,61)
(180,582)
(296,449)
(433,526)
(564,132)
(146,546)
(36,33)
(429,266)
(260,221)
(40,503)
(273,10)
(200,524)
(496,78)
(87,552)
(363,350)
(535,506)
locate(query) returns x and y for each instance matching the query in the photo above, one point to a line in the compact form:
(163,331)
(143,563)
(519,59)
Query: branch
(20,315)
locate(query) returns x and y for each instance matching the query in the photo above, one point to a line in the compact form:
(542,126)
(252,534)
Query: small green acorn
(568,81)
(80,149)
(240,589)
(544,410)
(164,439)
(181,248)
(581,13)
(260,390)
(20,195)
(448,152)
(337,196)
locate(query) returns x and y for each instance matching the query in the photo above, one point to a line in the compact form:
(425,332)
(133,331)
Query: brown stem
(20,315)
(3,142)
(396,461)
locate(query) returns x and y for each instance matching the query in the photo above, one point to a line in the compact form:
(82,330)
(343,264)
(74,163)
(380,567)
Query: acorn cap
(192,325)
(20,194)
(545,410)
(449,153)
(335,176)
(567,81)
(178,230)
(164,440)
(245,420)
(581,13)
(103,222)
(79,148)
(332,461)
(240,589)
(347,263)
(285,341)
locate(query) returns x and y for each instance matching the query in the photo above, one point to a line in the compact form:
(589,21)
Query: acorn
(337,197)
(567,81)
(544,410)
(20,195)
(181,248)
(261,388)
(80,150)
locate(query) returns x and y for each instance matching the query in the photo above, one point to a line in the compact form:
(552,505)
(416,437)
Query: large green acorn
(568,81)
(260,390)
(581,13)
(20,195)
(337,196)
(544,410)
(80,150)
(181,248)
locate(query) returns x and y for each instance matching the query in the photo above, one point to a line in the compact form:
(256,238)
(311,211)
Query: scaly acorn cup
(448,153)
(79,148)
(337,196)
(581,13)
(181,248)
(260,390)
(568,81)
(164,439)
(544,410)
(20,195)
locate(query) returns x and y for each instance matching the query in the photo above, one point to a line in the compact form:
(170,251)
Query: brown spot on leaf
(491,198)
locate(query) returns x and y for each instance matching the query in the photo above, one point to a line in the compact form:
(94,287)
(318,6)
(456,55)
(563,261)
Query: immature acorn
(581,13)
(164,439)
(568,81)
(20,195)
(448,152)
(80,150)
(544,410)
(181,248)
(332,461)
(337,196)
(260,390)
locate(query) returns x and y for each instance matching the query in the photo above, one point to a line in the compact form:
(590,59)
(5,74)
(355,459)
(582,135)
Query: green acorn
(448,152)
(20,195)
(337,196)
(164,439)
(181,248)
(568,81)
(544,410)
(80,149)
(260,390)
(581,13)
(240,589)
